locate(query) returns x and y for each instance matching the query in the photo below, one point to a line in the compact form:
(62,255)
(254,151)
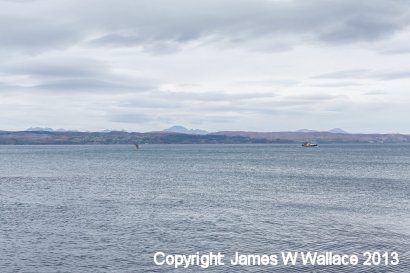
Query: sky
(218,65)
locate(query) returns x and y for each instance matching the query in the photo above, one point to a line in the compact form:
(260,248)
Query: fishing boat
(309,144)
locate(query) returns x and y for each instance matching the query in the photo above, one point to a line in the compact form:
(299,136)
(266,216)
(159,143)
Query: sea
(111,208)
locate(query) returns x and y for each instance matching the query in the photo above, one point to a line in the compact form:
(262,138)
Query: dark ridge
(228,137)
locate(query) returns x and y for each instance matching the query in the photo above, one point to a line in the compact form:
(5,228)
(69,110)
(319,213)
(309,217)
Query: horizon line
(309,131)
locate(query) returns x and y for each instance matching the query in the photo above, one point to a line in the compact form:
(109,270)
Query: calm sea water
(110,208)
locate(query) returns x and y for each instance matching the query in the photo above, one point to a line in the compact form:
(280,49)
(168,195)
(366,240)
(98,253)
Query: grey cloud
(337,84)
(74,75)
(57,67)
(282,82)
(161,47)
(374,93)
(126,40)
(214,119)
(184,101)
(113,39)
(212,108)
(396,51)
(6,88)
(392,75)
(94,85)
(214,96)
(328,21)
(365,74)
(161,26)
(355,73)
(78,84)
(362,28)
(276,104)
(130,118)
(148,101)
(274,47)
(314,97)
(34,34)
(189,85)
(19,1)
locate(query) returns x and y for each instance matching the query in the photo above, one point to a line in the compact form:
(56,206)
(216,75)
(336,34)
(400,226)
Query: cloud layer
(220,65)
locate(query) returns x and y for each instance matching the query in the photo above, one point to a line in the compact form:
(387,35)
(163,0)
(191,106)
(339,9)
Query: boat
(137,146)
(309,144)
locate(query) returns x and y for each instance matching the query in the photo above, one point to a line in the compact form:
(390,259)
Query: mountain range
(173,129)
(182,130)
(46,129)
(192,136)
(334,131)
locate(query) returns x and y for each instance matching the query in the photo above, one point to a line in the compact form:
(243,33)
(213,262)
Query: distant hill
(337,131)
(112,130)
(226,137)
(46,129)
(334,131)
(81,138)
(183,130)
(305,131)
(39,129)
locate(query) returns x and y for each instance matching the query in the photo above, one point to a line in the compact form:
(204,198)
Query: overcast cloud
(265,65)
